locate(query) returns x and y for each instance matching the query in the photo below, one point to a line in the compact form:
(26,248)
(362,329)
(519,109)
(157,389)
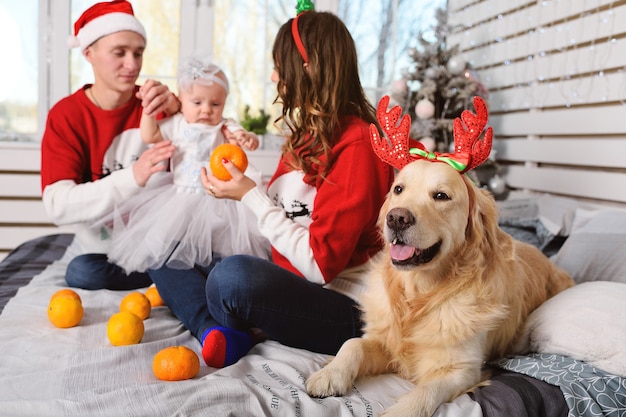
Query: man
(92,155)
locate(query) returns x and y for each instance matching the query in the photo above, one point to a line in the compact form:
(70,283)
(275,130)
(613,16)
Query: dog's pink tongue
(401,252)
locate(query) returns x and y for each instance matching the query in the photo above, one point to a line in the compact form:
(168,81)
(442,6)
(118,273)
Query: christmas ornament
(456,65)
(429,143)
(424,109)
(399,87)
(497,185)
(430,73)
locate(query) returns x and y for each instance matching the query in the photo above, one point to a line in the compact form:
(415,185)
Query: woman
(319,212)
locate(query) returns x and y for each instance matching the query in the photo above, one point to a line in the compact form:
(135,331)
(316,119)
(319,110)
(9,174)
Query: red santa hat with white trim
(102,19)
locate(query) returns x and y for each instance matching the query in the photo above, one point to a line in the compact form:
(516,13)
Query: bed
(578,367)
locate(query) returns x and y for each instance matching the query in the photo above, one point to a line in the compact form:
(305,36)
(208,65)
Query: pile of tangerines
(174,363)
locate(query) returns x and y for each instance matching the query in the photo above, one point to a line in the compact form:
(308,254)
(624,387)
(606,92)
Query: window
(41,73)
(243,36)
(238,33)
(19,71)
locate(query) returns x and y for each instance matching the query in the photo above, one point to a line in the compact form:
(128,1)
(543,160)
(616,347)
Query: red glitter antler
(469,150)
(467,131)
(394,151)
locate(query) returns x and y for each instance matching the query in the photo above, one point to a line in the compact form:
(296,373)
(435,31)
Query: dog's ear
(482,227)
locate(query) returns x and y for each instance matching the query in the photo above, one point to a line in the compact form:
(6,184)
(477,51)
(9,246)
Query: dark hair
(314,100)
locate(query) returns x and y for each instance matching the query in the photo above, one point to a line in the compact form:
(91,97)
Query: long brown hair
(316,98)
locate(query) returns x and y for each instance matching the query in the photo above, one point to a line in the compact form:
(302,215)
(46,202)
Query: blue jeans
(245,292)
(93,271)
(182,290)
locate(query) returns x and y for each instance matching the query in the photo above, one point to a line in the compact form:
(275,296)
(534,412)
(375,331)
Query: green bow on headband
(457,160)
(304,6)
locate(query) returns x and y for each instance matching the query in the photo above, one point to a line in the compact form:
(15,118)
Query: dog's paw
(328,382)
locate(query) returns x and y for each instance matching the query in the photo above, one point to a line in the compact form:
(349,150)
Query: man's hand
(152,160)
(156,98)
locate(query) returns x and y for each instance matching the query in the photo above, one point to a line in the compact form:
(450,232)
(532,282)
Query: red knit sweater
(343,208)
(82,142)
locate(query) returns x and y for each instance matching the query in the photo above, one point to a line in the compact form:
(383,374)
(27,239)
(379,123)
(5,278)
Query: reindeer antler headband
(301,7)
(469,150)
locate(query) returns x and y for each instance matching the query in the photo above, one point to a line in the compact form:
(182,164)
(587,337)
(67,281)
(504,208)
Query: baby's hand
(247,140)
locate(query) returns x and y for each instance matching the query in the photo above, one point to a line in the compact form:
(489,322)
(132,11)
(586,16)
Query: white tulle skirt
(164,225)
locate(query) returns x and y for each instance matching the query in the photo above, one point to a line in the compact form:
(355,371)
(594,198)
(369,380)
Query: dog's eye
(398,189)
(441,196)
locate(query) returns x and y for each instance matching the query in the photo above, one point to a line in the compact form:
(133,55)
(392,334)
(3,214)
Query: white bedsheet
(46,371)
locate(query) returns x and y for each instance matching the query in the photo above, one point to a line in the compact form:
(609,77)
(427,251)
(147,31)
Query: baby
(174,222)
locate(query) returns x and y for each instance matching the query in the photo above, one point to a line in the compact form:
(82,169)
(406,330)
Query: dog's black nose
(400,219)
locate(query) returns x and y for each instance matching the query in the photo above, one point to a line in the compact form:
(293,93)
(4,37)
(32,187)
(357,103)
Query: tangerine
(125,328)
(66,292)
(233,153)
(138,303)
(175,363)
(65,311)
(154,297)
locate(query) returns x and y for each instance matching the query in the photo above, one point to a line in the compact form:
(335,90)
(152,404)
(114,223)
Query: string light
(560,60)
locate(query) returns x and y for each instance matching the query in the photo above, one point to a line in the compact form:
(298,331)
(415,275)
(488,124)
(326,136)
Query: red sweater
(82,142)
(86,155)
(337,216)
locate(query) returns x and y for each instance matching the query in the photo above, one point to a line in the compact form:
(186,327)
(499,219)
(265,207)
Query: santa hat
(102,19)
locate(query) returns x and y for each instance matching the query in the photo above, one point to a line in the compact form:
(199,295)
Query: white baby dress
(174,222)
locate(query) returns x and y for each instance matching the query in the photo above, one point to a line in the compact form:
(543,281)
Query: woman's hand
(234,188)
(152,160)
(156,98)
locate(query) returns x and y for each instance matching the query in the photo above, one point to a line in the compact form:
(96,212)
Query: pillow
(557,213)
(542,221)
(595,248)
(585,322)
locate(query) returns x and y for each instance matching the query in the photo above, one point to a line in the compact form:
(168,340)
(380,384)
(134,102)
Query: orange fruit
(175,363)
(154,297)
(137,303)
(125,328)
(233,153)
(65,311)
(66,292)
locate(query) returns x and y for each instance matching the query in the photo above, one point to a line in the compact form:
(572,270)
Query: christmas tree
(435,90)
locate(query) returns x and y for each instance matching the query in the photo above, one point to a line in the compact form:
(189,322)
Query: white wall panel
(556,74)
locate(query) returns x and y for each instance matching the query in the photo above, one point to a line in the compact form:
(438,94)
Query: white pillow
(596,247)
(586,322)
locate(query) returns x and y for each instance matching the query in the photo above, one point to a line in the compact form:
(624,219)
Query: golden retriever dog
(450,291)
